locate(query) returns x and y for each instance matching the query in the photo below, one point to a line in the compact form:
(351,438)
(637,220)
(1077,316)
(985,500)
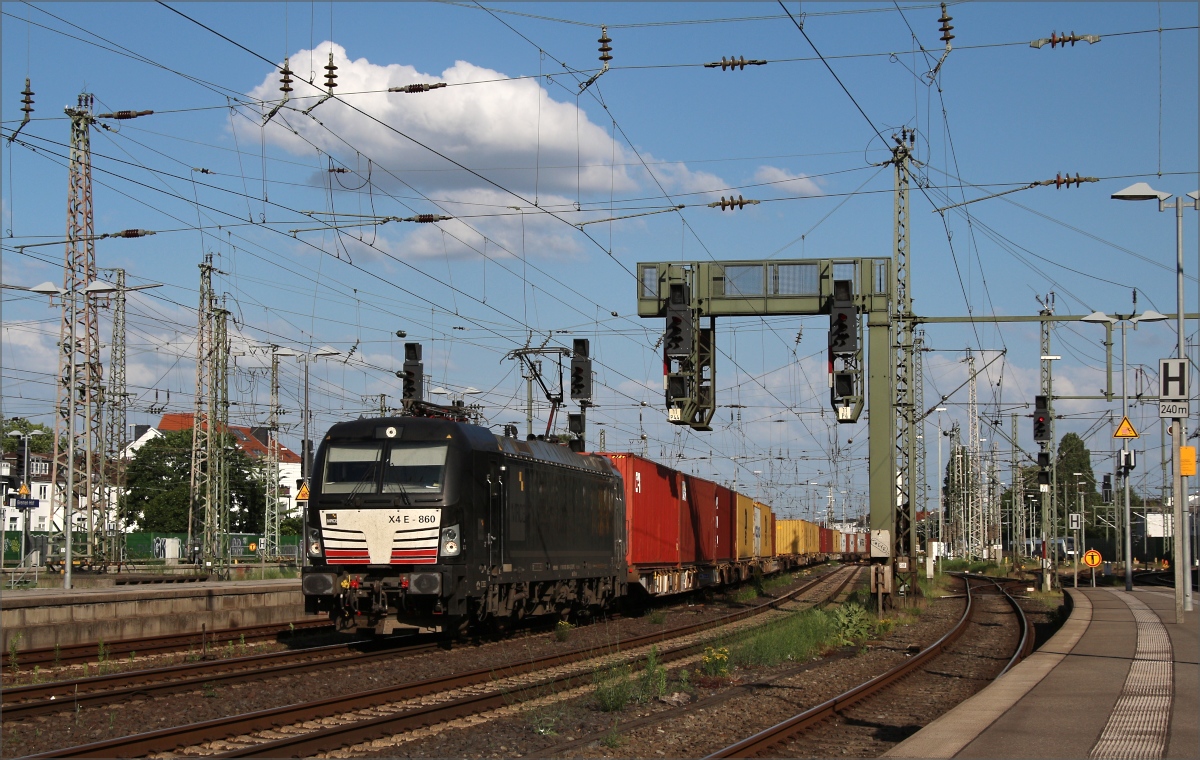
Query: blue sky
(510,148)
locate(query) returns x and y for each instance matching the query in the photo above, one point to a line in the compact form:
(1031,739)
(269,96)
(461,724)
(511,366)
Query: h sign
(1172,380)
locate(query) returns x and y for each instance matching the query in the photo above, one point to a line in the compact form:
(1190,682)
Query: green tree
(1074,457)
(159,478)
(38,444)
(159,482)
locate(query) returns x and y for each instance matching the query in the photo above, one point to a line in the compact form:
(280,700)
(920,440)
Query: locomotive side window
(414,466)
(351,468)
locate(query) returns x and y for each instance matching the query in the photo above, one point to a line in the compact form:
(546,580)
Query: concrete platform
(44,618)
(1118,680)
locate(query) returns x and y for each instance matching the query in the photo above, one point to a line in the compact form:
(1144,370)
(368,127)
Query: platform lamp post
(94,288)
(1099,317)
(27,483)
(1140,191)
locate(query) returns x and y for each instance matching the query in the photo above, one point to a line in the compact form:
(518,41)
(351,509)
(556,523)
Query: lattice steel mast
(921,490)
(198,490)
(113,469)
(216,513)
(210,426)
(959,482)
(80,375)
(975,516)
(906,443)
(270,542)
(1016,530)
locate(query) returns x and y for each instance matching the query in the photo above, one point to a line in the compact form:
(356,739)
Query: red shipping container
(652,508)
(697,520)
(773,551)
(725,521)
(826,541)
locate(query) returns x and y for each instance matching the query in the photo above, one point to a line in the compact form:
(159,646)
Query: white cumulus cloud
(785,181)
(510,131)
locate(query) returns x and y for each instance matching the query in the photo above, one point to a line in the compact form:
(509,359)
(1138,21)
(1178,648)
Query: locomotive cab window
(414,466)
(352,468)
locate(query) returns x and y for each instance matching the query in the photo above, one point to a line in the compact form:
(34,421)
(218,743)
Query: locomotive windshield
(352,468)
(409,466)
(415,466)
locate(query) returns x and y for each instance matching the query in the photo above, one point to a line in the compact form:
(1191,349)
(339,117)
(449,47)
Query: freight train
(442,524)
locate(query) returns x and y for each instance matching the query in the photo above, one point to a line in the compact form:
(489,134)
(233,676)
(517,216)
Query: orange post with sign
(1092,559)
(1187,461)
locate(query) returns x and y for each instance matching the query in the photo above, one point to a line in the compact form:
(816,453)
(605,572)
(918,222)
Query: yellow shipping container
(789,536)
(797,537)
(746,523)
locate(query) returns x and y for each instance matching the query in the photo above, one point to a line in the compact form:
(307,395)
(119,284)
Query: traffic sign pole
(1076,555)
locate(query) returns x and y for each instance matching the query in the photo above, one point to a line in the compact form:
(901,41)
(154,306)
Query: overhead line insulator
(339,170)
(1054,40)
(417,87)
(330,76)
(27,107)
(732,202)
(906,135)
(201,170)
(131,233)
(123,114)
(734,63)
(605,48)
(946,28)
(1060,180)
(286,80)
(427,218)
(27,101)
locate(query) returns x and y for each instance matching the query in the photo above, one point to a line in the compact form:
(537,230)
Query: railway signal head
(843,384)
(1041,420)
(1043,468)
(413,374)
(680,331)
(581,379)
(1128,461)
(843,331)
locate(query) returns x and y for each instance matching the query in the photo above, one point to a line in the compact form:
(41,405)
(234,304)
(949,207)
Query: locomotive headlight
(450,544)
(314,542)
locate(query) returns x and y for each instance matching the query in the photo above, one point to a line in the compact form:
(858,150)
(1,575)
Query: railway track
(40,699)
(81,653)
(1160,578)
(771,740)
(309,728)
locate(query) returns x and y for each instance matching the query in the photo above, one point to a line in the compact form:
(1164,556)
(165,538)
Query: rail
(769,737)
(308,744)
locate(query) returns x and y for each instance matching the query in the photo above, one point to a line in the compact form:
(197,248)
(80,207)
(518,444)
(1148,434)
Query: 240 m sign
(1172,409)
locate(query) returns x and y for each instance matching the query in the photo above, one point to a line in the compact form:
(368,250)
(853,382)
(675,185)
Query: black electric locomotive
(436,523)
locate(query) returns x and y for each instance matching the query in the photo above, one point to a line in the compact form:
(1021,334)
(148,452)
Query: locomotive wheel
(498,626)
(458,628)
